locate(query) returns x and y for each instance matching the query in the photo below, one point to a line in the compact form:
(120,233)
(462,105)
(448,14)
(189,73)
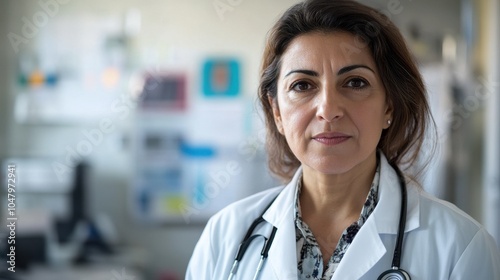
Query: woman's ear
(388,114)
(276,113)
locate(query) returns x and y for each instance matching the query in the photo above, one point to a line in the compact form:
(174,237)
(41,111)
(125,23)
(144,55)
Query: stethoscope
(394,273)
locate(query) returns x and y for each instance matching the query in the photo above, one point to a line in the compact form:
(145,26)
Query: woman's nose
(330,105)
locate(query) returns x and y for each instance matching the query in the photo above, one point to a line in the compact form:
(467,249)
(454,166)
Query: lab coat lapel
(282,254)
(367,248)
(365,251)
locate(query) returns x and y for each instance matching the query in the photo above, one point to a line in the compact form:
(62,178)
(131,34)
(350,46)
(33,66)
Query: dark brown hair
(403,84)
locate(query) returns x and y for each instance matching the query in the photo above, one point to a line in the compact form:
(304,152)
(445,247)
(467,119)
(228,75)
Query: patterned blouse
(309,258)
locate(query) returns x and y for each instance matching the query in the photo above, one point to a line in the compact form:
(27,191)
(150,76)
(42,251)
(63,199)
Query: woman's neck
(337,196)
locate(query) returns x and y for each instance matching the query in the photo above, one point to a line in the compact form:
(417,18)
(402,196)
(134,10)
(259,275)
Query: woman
(345,106)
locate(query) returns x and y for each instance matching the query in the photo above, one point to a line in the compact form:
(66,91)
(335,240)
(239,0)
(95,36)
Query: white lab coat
(440,242)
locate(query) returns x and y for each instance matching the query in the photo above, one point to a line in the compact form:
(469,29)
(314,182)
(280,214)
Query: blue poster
(221,78)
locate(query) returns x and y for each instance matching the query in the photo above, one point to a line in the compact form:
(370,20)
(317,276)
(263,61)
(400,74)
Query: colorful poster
(221,78)
(164,92)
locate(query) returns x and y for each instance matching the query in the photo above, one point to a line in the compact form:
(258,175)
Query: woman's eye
(356,83)
(301,86)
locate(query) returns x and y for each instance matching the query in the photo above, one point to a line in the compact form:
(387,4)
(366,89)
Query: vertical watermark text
(11,217)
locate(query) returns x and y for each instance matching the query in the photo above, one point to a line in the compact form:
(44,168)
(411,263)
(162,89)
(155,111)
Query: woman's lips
(331,138)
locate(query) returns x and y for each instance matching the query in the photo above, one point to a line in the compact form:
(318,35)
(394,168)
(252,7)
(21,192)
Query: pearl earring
(389,122)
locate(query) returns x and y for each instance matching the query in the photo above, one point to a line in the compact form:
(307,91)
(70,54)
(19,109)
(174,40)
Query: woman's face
(331,105)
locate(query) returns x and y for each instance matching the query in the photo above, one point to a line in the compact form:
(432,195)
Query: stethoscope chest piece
(394,274)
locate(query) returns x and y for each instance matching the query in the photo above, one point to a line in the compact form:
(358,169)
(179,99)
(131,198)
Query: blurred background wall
(107,179)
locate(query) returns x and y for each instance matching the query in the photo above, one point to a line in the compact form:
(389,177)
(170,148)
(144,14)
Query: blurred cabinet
(86,272)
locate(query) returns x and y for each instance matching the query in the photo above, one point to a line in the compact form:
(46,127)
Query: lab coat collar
(386,214)
(383,220)
(277,214)
(280,215)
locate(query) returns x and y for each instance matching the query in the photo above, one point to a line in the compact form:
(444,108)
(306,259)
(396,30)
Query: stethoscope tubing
(264,253)
(394,273)
(396,260)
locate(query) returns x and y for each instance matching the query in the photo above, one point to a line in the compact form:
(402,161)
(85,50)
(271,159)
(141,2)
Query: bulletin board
(187,162)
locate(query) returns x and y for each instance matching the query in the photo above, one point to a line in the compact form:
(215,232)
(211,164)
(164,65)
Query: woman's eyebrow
(343,70)
(346,69)
(303,71)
